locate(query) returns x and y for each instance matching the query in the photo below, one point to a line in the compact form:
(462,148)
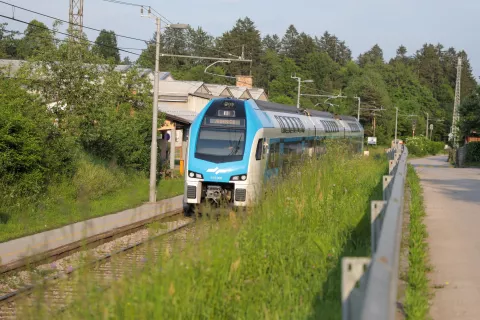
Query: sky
(360,23)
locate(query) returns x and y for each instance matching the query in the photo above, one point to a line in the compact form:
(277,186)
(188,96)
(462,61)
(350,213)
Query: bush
(473,152)
(92,180)
(33,151)
(118,135)
(421,146)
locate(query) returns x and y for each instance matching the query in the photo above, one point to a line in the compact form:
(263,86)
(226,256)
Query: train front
(218,156)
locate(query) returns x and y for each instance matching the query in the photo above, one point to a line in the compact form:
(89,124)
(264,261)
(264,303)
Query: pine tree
(106,46)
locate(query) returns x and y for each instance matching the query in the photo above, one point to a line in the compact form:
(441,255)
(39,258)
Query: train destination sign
(227,122)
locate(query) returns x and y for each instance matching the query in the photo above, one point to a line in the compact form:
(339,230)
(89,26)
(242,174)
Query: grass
(417,293)
(95,190)
(279,260)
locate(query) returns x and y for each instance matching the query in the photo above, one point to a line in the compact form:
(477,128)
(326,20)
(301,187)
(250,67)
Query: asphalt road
(452,201)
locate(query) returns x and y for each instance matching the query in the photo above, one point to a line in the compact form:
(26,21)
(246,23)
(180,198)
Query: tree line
(417,82)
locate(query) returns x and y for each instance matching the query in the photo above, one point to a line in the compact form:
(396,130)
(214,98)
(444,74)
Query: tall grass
(279,260)
(95,190)
(417,294)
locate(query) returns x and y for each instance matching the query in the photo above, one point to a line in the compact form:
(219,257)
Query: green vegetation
(94,190)
(417,293)
(421,146)
(473,152)
(415,81)
(470,114)
(280,260)
(74,136)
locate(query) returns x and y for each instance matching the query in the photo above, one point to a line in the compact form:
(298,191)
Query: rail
(369,285)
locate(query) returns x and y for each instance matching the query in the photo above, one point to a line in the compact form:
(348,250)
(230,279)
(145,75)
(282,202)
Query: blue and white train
(235,146)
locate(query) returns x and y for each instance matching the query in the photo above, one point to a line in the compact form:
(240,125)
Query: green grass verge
(96,190)
(279,261)
(417,293)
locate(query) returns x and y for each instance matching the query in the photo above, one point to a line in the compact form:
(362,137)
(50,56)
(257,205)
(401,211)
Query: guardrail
(369,285)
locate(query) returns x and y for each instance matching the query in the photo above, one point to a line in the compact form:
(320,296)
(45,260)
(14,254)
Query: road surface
(452,202)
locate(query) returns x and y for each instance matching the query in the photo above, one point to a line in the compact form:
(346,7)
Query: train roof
(277,107)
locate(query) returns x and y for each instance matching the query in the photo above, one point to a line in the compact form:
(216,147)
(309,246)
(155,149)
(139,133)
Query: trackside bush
(33,151)
(473,152)
(275,262)
(421,146)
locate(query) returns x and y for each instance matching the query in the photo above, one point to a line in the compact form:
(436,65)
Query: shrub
(118,135)
(420,146)
(92,180)
(473,152)
(32,150)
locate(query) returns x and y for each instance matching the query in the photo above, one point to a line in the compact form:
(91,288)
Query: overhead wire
(71,23)
(63,33)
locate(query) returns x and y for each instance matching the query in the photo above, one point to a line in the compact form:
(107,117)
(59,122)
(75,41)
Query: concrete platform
(15,252)
(452,203)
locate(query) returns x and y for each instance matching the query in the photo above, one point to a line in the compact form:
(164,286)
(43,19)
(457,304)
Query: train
(235,146)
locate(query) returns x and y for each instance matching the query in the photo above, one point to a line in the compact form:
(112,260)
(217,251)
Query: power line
(166,20)
(73,24)
(139,5)
(66,34)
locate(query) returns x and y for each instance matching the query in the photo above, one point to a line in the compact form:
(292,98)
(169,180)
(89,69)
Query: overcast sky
(361,23)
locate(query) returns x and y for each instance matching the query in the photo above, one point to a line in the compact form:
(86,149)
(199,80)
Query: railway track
(54,293)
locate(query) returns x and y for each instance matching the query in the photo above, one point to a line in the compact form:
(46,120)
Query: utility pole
(153,148)
(396,124)
(76,17)
(299,84)
(426,127)
(358,112)
(456,105)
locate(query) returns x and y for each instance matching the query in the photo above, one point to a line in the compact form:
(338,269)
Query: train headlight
(192,174)
(242,177)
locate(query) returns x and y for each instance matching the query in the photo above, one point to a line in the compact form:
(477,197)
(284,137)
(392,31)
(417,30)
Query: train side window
(259,152)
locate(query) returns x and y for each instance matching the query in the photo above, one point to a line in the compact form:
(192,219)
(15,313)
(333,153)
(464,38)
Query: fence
(369,285)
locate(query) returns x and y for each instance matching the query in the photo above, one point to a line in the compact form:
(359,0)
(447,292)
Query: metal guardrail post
(374,298)
(387,187)
(377,211)
(353,272)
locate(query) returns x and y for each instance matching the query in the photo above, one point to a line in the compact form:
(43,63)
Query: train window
(293,125)
(273,160)
(258,153)
(287,124)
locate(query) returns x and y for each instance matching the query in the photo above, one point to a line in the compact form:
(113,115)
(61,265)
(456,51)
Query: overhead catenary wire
(66,34)
(74,24)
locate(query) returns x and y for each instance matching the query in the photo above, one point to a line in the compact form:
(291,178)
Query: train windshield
(220,145)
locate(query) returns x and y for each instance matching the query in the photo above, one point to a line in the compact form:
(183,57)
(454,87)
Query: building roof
(12,66)
(181,88)
(186,115)
(240,92)
(256,92)
(219,90)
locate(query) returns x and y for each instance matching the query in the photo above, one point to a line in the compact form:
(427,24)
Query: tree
(106,46)
(272,43)
(337,50)
(127,61)
(470,114)
(244,34)
(38,38)
(290,42)
(373,56)
(8,43)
